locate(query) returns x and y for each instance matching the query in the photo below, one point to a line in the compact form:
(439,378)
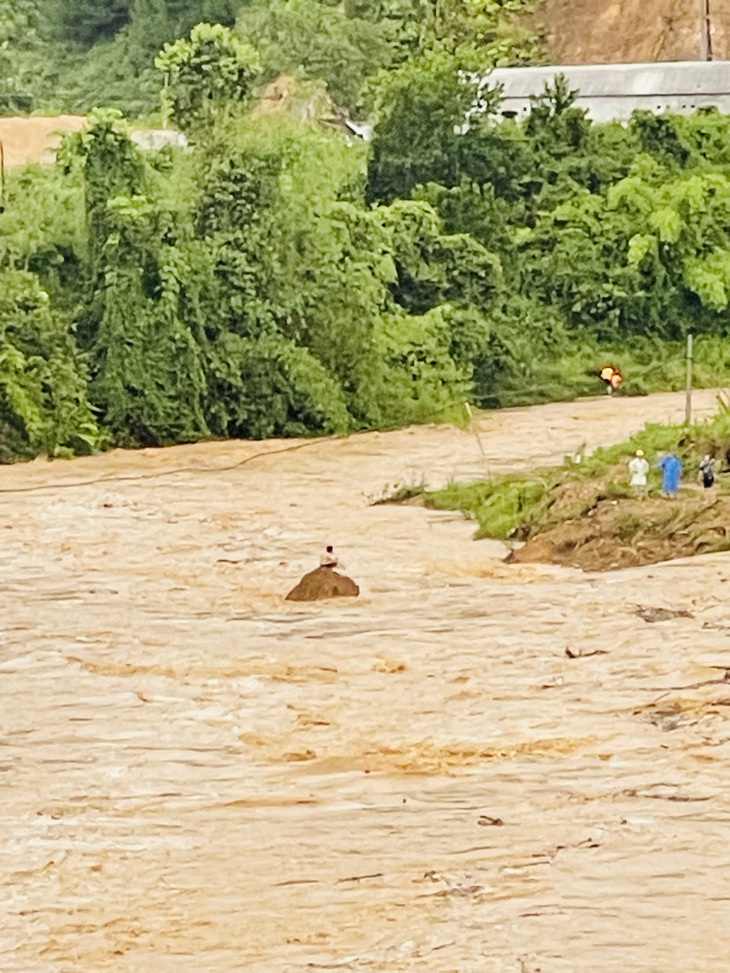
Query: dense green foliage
(43,396)
(204,75)
(240,290)
(276,278)
(24,67)
(75,54)
(613,240)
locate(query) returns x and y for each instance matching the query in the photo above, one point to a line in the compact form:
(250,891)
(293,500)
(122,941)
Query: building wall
(615,91)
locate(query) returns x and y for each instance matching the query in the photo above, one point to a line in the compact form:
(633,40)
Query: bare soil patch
(616,31)
(27,140)
(625,533)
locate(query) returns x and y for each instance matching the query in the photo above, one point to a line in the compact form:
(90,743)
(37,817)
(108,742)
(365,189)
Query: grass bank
(583,512)
(648,365)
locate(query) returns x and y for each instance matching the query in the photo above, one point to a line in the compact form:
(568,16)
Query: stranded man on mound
(329,559)
(324,581)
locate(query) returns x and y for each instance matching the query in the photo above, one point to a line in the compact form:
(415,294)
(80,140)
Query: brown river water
(198,776)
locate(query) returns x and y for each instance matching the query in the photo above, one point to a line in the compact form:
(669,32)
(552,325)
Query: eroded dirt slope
(200,776)
(616,31)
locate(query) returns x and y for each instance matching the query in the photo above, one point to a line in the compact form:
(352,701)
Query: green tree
(422,126)
(271,386)
(261,330)
(206,73)
(146,372)
(148,377)
(154,23)
(111,165)
(26,66)
(480,33)
(88,21)
(43,400)
(316,42)
(402,22)
(434,268)
(417,378)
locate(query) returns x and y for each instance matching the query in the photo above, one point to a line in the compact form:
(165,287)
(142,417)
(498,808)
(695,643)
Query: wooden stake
(474,428)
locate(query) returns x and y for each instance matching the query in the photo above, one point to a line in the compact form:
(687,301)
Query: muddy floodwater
(198,776)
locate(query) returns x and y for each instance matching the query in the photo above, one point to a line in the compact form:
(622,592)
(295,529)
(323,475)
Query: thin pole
(2,177)
(705,31)
(474,428)
(165,101)
(688,398)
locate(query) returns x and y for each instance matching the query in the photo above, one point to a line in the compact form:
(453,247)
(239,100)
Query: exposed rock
(323,583)
(650,614)
(309,103)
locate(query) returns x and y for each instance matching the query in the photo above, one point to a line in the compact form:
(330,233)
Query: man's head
(329,549)
(639,452)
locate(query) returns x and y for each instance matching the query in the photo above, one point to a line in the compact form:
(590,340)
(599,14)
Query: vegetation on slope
(73,55)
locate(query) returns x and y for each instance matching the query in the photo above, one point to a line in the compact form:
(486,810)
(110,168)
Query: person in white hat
(639,470)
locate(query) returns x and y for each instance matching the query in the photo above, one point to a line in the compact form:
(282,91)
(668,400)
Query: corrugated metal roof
(614,91)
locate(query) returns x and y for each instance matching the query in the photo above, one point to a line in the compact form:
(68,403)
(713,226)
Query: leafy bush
(204,74)
(414,377)
(271,387)
(43,399)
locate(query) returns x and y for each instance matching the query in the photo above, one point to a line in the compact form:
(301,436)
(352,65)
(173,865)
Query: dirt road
(198,776)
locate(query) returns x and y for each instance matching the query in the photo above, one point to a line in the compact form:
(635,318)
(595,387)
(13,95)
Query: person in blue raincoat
(671,467)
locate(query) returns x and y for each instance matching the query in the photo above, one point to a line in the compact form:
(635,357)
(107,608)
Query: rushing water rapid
(197,776)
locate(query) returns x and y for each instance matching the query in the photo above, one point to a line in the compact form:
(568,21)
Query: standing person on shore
(707,472)
(671,467)
(639,470)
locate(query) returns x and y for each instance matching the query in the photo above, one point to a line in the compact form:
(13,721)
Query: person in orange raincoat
(612,377)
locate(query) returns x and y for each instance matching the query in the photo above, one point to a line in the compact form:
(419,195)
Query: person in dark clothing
(707,472)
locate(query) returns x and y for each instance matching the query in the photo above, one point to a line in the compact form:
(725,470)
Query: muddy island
(323,583)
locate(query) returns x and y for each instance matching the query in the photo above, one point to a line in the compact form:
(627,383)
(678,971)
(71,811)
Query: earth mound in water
(630,532)
(323,583)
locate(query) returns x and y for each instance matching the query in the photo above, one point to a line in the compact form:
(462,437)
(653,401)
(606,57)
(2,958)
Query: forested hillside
(278,278)
(71,55)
